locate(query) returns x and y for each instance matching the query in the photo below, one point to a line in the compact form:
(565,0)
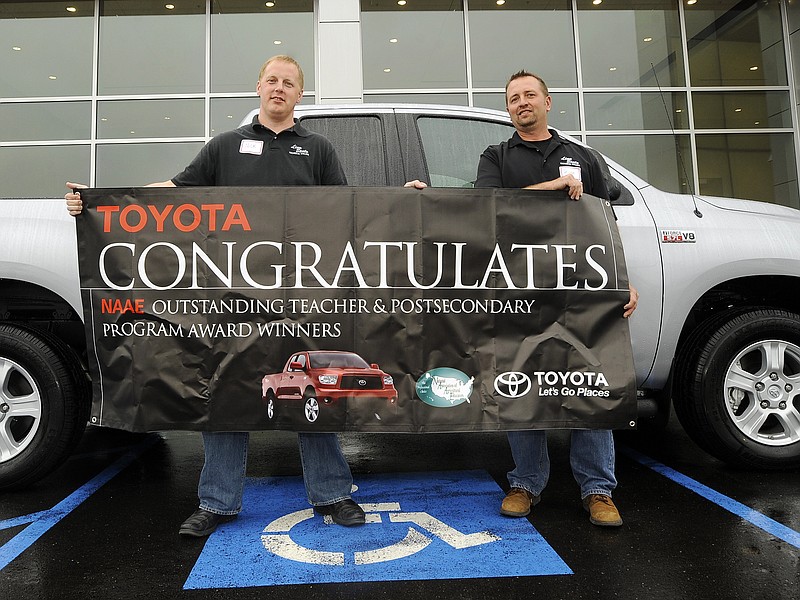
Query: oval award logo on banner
(444,387)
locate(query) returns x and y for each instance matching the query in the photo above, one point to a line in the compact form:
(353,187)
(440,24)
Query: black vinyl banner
(354,309)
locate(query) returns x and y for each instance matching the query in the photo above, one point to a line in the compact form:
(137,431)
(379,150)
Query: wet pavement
(105,526)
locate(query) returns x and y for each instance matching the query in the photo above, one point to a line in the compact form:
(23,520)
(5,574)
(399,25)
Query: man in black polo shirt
(273,150)
(536,157)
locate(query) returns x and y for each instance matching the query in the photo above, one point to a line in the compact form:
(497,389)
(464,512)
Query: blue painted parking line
(760,520)
(419,526)
(41,522)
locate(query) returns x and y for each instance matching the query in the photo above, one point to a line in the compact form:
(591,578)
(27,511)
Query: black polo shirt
(517,164)
(255,155)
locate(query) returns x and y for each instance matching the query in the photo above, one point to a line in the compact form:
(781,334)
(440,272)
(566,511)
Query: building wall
(692,97)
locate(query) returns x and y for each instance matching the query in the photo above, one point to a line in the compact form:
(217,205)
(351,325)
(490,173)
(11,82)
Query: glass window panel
(494,62)
(43,121)
(630,44)
(36,58)
(752,166)
(665,161)
(455,99)
(416,46)
(563,115)
(735,43)
(364,163)
(24,176)
(741,110)
(245,33)
(453,147)
(495,100)
(793,12)
(146,48)
(123,119)
(123,165)
(228,113)
(636,111)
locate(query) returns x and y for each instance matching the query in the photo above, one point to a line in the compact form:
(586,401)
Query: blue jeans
(325,471)
(591,457)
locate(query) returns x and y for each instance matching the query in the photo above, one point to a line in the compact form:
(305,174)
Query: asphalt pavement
(105,525)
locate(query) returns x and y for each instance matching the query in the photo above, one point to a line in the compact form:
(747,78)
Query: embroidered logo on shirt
(298,151)
(251,147)
(566,161)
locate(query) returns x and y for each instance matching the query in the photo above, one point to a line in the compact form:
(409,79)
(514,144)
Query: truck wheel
(311,406)
(270,404)
(738,390)
(43,405)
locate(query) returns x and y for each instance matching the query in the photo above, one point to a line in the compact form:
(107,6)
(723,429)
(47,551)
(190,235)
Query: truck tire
(310,405)
(270,405)
(738,388)
(43,405)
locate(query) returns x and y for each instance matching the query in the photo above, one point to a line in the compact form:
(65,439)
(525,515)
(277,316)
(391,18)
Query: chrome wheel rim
(312,409)
(20,409)
(762,392)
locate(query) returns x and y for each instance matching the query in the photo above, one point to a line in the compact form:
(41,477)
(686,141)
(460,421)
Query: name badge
(251,147)
(568,170)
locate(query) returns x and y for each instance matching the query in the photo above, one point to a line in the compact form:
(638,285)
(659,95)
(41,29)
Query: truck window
(453,146)
(297,358)
(359,142)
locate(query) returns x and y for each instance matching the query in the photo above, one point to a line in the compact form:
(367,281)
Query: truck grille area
(352,382)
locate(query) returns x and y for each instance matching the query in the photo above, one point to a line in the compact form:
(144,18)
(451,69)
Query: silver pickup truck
(717,332)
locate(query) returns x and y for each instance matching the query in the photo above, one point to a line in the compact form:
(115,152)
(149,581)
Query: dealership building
(691,95)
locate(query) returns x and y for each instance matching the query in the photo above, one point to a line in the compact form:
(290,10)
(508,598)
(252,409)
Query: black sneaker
(202,523)
(344,512)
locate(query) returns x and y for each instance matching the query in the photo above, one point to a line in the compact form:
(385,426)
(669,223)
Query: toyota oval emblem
(362,382)
(512,384)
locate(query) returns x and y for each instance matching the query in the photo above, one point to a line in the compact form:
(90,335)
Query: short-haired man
(264,152)
(536,157)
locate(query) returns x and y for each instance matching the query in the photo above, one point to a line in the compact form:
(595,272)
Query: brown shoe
(518,503)
(602,510)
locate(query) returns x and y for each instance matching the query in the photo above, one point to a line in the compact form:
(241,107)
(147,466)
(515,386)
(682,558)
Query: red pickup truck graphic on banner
(326,380)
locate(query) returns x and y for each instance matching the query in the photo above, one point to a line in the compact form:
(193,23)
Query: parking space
(105,525)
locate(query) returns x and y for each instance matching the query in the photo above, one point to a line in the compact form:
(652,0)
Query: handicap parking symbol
(441,525)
